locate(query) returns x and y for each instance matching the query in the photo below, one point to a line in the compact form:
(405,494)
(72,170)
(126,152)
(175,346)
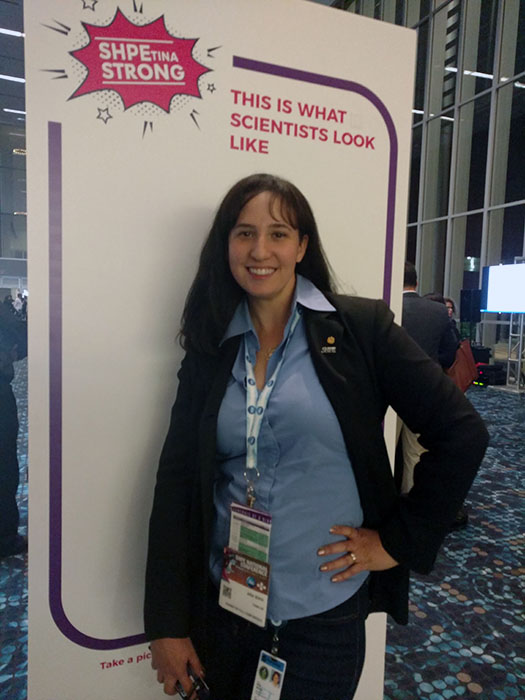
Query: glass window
(421,67)
(432,267)
(444,66)
(416,10)
(13,218)
(508,184)
(472,154)
(506,234)
(415,170)
(400,13)
(386,10)
(465,254)
(437,170)
(348,5)
(513,40)
(473,236)
(513,238)
(481,20)
(362,7)
(411,244)
(13,242)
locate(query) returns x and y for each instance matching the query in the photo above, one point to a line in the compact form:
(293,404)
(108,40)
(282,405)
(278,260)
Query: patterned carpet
(466,636)
(13,572)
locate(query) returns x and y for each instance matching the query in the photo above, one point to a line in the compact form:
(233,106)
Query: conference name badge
(245,578)
(244,586)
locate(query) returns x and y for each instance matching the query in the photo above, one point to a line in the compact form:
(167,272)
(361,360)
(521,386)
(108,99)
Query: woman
(281,399)
(451,309)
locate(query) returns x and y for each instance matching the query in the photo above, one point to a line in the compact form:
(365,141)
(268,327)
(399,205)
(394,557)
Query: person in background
(8,302)
(13,346)
(451,308)
(428,324)
(282,394)
(17,304)
(435,296)
(411,445)
(461,519)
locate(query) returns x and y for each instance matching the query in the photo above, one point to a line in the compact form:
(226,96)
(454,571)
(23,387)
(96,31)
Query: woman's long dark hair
(214,294)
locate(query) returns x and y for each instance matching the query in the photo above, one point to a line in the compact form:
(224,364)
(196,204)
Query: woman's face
(450,309)
(263,250)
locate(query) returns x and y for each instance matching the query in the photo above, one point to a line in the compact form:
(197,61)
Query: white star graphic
(89,4)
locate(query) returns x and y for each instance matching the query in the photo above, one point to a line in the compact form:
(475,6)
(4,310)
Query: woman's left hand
(361,550)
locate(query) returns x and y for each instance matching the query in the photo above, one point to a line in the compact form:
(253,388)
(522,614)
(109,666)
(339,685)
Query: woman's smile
(261,271)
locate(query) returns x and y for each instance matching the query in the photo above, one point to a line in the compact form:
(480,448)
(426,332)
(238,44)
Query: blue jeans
(324,653)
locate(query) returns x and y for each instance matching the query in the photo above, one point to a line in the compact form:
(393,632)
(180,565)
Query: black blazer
(427,322)
(375,364)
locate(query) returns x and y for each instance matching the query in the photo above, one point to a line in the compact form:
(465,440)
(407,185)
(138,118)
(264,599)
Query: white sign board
(140,116)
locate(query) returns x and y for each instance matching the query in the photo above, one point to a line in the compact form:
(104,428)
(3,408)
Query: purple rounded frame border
(55,408)
(349,86)
(55,328)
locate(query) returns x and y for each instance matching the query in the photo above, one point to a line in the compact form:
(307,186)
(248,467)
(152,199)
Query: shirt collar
(306,294)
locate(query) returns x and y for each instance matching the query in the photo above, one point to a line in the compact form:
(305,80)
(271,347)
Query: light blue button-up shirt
(306,479)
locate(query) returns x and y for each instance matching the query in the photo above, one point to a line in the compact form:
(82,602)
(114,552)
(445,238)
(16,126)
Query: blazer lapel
(208,425)
(338,371)
(345,377)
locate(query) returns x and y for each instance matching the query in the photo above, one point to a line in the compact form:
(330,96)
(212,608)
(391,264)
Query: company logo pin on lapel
(330,348)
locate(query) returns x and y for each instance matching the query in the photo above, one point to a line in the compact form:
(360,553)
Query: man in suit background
(427,322)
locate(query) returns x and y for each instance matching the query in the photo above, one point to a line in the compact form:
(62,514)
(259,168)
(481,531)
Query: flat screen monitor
(503,289)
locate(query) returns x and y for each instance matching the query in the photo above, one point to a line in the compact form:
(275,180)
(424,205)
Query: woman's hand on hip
(360,550)
(171,658)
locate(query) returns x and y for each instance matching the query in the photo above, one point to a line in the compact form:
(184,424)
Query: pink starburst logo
(143,63)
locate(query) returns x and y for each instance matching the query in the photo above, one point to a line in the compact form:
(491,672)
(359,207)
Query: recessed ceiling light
(13,78)
(11,32)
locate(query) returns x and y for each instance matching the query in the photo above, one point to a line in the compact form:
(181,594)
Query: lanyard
(256,403)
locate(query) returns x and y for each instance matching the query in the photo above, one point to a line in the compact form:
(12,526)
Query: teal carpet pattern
(13,572)
(466,635)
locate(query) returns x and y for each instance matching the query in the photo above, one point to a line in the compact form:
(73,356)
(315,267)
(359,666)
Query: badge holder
(269,677)
(245,575)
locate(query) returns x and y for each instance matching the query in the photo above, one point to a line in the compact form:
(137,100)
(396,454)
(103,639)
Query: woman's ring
(354,558)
